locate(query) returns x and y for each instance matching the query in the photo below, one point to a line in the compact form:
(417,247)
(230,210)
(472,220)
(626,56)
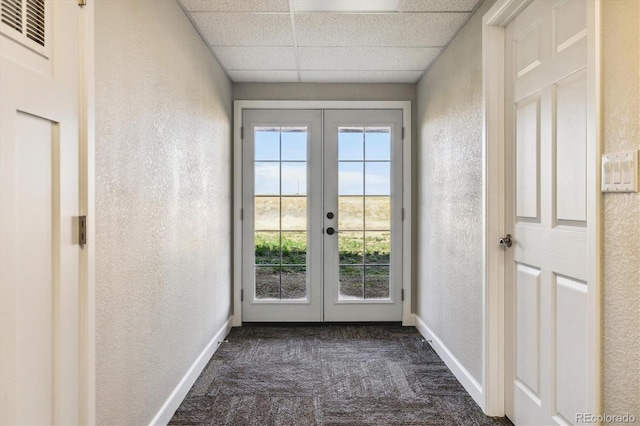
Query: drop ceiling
(327,41)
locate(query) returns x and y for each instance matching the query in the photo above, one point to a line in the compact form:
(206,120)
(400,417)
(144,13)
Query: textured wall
(163,204)
(621,284)
(321,91)
(449,196)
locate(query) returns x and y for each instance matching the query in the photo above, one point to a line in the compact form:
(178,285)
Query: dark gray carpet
(328,375)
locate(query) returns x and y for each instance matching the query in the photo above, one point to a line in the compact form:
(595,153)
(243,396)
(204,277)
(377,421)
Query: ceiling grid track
(295,39)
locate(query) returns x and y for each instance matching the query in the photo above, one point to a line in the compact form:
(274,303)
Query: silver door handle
(506,241)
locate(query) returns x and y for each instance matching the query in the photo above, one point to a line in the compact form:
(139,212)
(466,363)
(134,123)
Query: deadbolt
(330,215)
(506,241)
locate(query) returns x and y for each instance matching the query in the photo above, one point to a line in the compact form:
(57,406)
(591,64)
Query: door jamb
(494,24)
(239,106)
(87,175)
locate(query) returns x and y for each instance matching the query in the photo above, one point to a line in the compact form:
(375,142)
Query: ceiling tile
(438,5)
(256,58)
(360,76)
(398,29)
(263,76)
(244,29)
(236,5)
(367,58)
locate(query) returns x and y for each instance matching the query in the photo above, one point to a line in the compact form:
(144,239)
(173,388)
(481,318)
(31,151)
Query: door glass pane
(376,282)
(350,178)
(294,144)
(351,282)
(350,143)
(267,282)
(350,247)
(377,247)
(294,178)
(266,213)
(294,282)
(377,143)
(280,206)
(294,213)
(377,178)
(267,178)
(378,213)
(350,213)
(267,248)
(294,248)
(267,144)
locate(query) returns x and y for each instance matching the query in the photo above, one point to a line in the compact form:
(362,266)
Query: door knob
(506,241)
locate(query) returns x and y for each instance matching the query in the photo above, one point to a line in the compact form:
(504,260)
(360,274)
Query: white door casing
(495,142)
(547,279)
(46,368)
(261,309)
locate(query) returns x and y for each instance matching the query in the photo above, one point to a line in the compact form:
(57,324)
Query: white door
(39,182)
(322,231)
(282,215)
(363,209)
(546,282)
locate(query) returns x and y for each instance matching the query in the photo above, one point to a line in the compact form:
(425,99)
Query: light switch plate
(620,172)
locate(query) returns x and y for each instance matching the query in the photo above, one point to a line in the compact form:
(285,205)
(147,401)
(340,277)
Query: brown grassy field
(352,213)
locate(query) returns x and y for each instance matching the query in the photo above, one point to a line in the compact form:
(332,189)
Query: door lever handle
(506,241)
(331,231)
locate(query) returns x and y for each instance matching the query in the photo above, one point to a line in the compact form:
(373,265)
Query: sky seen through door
(363,155)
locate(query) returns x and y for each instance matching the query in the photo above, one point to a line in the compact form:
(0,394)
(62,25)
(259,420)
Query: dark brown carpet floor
(328,375)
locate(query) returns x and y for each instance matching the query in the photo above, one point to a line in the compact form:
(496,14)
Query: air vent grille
(25,21)
(12,14)
(35,21)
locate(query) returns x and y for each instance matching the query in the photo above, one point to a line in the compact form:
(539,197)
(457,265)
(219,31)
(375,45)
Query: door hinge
(403,294)
(242,132)
(82,3)
(82,230)
(402,215)
(241,214)
(242,295)
(403,133)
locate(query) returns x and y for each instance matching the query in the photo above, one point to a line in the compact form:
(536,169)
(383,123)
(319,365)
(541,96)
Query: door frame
(494,326)
(87,196)
(407,258)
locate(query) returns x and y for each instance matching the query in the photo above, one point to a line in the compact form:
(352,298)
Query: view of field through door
(322,233)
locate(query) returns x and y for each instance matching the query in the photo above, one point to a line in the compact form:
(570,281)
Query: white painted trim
(408,319)
(594,210)
(87,173)
(493,327)
(174,400)
(236,215)
(470,384)
(239,106)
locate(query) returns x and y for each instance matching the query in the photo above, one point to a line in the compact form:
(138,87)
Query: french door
(322,203)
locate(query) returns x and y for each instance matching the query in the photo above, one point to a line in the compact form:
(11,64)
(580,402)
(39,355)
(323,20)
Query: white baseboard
(175,399)
(464,377)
